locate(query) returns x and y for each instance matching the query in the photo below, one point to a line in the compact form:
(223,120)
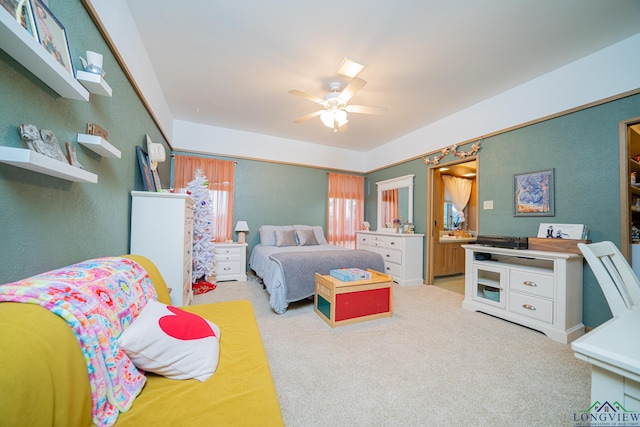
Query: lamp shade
(242,226)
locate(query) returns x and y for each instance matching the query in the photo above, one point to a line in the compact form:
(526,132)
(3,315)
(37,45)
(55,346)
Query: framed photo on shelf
(533,194)
(156,179)
(52,35)
(145,170)
(21,11)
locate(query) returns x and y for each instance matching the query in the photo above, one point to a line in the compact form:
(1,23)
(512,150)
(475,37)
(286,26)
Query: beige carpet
(431,364)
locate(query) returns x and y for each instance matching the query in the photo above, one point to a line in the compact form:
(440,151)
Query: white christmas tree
(204,229)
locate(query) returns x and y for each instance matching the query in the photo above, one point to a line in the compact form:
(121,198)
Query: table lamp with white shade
(241,228)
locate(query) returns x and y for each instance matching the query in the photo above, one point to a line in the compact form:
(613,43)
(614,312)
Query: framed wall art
(52,35)
(145,170)
(21,11)
(533,194)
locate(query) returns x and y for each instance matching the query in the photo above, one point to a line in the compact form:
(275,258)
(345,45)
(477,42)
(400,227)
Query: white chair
(619,283)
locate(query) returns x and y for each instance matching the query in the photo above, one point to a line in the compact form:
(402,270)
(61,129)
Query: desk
(613,349)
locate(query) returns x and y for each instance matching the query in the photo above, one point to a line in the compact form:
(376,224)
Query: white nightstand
(231,261)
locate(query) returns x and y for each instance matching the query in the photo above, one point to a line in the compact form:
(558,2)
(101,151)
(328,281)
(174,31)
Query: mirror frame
(392,184)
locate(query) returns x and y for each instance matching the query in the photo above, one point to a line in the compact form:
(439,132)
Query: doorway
(630,191)
(445,233)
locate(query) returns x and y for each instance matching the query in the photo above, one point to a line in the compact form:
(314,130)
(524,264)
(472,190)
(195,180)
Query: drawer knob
(530,283)
(388,256)
(529,307)
(393,243)
(227,268)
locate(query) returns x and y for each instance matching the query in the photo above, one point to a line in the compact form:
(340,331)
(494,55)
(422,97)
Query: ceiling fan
(335,103)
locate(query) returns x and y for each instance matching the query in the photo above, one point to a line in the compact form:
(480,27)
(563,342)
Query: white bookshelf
(36,162)
(23,47)
(99,145)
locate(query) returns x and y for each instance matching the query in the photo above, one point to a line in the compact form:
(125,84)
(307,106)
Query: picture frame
(145,170)
(52,35)
(534,193)
(22,12)
(156,179)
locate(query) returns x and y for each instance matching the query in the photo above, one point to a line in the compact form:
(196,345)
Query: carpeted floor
(431,364)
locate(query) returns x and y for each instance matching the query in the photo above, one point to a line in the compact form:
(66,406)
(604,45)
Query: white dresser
(162,230)
(402,254)
(231,261)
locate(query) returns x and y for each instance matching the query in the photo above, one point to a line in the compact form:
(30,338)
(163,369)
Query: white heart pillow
(171,342)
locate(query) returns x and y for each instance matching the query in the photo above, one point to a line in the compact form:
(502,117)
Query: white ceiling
(231,63)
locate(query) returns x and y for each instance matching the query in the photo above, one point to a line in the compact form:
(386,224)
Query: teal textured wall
(46,222)
(277,194)
(582,148)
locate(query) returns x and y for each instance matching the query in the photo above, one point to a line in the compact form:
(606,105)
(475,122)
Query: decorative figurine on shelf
(51,141)
(72,156)
(43,142)
(93,63)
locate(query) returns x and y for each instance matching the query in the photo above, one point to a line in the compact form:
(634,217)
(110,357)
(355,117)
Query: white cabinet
(538,289)
(231,261)
(402,254)
(162,230)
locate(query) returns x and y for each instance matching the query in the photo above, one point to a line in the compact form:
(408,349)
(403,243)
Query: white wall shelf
(29,159)
(98,145)
(94,83)
(24,48)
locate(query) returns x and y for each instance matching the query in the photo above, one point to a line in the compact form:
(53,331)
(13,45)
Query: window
(220,174)
(451,216)
(345,209)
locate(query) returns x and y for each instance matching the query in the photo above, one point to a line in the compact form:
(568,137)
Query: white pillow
(172,342)
(317,230)
(268,233)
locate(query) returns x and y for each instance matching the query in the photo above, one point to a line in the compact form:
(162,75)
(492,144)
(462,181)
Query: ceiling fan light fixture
(330,118)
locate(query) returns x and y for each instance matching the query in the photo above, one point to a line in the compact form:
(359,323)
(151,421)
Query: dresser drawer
(389,255)
(392,269)
(530,306)
(365,240)
(227,256)
(227,268)
(392,242)
(531,283)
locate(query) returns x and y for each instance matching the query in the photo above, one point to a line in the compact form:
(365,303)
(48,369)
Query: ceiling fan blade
(307,96)
(352,88)
(364,109)
(308,117)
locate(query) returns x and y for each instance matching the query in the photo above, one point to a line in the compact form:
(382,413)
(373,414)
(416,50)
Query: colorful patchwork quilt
(98,298)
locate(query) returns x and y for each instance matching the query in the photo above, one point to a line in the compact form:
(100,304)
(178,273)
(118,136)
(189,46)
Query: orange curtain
(390,206)
(220,175)
(345,209)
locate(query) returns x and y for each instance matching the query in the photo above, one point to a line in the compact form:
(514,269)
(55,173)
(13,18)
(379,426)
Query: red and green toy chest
(341,303)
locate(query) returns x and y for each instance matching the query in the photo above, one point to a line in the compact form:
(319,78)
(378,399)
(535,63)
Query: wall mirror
(395,200)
